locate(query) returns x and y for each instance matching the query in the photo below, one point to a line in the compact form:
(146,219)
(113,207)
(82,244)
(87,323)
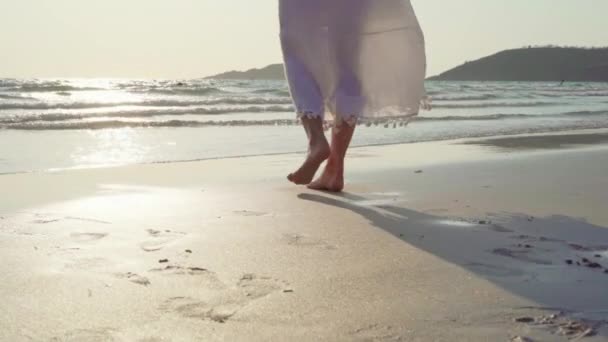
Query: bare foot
(317,154)
(332,179)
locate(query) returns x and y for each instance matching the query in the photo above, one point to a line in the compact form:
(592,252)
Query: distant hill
(551,64)
(271,72)
(535,64)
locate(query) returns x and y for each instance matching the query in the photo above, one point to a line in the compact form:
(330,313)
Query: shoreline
(595,137)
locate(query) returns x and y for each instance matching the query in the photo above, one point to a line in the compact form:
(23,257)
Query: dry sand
(432,242)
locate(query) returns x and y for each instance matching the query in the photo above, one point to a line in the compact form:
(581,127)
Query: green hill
(271,72)
(535,64)
(551,64)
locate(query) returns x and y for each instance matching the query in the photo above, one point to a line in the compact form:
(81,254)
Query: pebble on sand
(418,171)
(163,261)
(189,251)
(524,320)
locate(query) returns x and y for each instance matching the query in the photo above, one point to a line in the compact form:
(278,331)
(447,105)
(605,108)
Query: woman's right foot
(317,154)
(331,180)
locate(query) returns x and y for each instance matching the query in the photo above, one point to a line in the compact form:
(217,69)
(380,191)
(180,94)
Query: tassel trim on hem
(352,120)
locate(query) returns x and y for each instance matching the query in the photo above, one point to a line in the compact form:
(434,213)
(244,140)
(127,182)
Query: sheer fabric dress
(357,60)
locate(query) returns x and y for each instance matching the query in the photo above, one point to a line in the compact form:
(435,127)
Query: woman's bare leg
(318,151)
(332,178)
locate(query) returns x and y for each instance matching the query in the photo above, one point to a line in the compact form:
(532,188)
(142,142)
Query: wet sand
(545,141)
(431,242)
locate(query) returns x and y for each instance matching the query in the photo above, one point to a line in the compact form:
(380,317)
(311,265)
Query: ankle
(315,144)
(334,162)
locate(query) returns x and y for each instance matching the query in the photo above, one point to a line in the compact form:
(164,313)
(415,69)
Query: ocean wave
(236,100)
(115,124)
(151,103)
(14,97)
(574,94)
(8,82)
(108,124)
(478,117)
(13,119)
(587,113)
(479,97)
(278,92)
(67,122)
(493,105)
(509,116)
(56,117)
(194,91)
(42,88)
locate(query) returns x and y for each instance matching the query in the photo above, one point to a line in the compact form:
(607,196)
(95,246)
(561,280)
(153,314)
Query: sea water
(50,124)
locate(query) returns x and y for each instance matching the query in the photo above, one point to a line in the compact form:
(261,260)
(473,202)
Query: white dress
(359,60)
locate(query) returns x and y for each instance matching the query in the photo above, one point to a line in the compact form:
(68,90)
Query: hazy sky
(194,38)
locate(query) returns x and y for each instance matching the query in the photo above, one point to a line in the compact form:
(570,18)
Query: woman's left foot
(316,156)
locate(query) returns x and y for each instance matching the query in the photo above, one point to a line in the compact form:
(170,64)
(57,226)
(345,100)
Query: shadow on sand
(535,258)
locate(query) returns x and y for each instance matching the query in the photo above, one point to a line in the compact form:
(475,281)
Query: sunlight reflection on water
(116,146)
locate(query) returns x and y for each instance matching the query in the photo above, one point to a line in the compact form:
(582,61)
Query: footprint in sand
(209,278)
(159,239)
(552,244)
(255,287)
(86,219)
(495,270)
(521,255)
(499,229)
(89,335)
(191,308)
(134,278)
(45,218)
(87,264)
(304,241)
(180,270)
(224,304)
(248,213)
(581,248)
(51,218)
(87,237)
(564,325)
(43,221)
(376,332)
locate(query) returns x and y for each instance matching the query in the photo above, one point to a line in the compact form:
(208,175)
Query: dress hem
(388,120)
